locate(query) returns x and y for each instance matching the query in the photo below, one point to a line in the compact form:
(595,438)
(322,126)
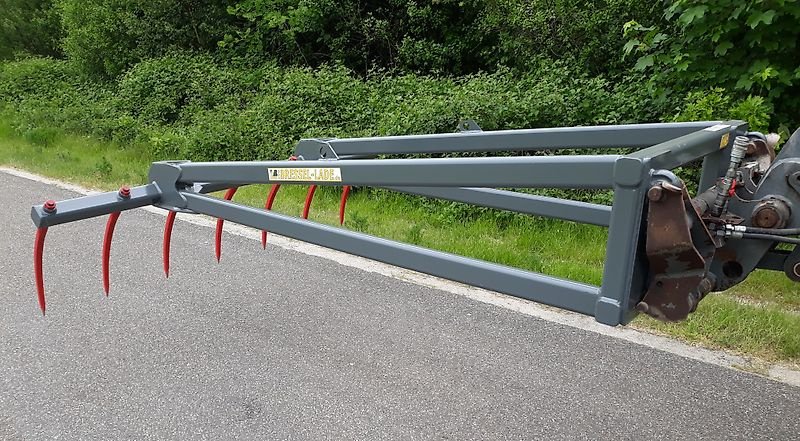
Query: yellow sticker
(724,140)
(305,174)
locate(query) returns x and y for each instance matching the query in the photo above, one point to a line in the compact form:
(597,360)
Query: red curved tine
(309,198)
(218,236)
(38,249)
(167,239)
(124,193)
(273,191)
(343,203)
(109,234)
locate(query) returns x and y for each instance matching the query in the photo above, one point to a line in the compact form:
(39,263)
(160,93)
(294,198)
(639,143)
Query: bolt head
(49,206)
(766,218)
(656,193)
(770,214)
(125,192)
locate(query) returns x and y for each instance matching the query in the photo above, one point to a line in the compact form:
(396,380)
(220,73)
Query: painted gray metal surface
(691,147)
(623,272)
(95,205)
(773,260)
(568,171)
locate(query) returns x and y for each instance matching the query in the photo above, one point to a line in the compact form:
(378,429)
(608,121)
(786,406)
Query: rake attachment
(666,250)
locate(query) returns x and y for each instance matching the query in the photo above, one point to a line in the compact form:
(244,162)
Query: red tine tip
(38,249)
(107,237)
(273,191)
(309,198)
(343,203)
(218,233)
(49,206)
(218,239)
(167,239)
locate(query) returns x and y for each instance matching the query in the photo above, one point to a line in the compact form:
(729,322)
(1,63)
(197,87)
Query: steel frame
(183,186)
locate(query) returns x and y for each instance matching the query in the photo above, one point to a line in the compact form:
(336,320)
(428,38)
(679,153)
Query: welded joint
(166,174)
(629,172)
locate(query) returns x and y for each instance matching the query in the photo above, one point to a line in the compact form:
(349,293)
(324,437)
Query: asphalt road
(277,344)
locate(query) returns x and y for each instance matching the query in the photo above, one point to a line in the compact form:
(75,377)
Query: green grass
(765,331)
(759,317)
(74,158)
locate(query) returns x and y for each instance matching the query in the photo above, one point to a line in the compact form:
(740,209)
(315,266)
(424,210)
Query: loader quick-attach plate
(660,255)
(679,252)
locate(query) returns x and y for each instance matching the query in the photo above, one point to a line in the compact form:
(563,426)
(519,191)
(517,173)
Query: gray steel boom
(666,250)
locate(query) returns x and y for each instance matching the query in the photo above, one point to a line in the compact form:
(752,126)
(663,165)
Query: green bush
(159,90)
(401,35)
(195,107)
(718,104)
(29,27)
(745,46)
(41,93)
(36,76)
(443,37)
(105,37)
(188,106)
(585,33)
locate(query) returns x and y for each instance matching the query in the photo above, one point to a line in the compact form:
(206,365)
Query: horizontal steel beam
(95,205)
(567,171)
(685,149)
(549,290)
(566,209)
(619,136)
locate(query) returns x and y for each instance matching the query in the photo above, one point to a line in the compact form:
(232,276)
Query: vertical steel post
(623,274)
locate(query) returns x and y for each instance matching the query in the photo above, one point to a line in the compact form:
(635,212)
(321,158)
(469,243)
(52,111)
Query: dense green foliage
(438,36)
(586,33)
(192,106)
(247,78)
(106,37)
(446,36)
(744,46)
(29,27)
(441,37)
